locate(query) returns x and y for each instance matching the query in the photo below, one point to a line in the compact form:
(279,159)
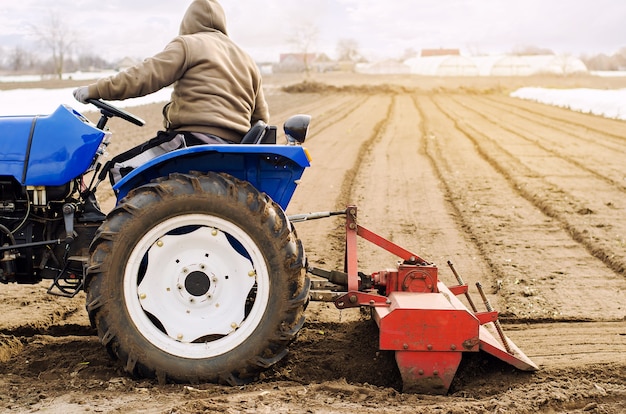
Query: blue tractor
(196,274)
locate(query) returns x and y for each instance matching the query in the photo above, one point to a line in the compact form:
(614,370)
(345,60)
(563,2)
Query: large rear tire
(197,278)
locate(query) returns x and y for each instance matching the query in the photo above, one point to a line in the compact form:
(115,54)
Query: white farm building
(505,65)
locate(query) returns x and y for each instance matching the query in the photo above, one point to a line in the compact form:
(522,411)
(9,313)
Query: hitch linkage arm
(314,216)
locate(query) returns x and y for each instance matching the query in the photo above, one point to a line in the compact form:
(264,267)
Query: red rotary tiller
(418,316)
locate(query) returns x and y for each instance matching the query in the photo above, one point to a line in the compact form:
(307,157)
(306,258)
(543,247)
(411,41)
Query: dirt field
(528,199)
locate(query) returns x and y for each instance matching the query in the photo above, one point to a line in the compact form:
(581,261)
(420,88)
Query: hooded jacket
(217,86)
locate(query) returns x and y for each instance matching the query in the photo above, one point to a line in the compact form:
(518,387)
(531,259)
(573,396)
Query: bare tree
(565,62)
(409,53)
(19,59)
(600,62)
(348,50)
(304,39)
(57,38)
(620,58)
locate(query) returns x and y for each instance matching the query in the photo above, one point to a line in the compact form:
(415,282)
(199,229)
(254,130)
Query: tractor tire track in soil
(526,198)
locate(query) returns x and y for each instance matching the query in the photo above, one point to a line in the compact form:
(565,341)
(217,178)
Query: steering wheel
(110,111)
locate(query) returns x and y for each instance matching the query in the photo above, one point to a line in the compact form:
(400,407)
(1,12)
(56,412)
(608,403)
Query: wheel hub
(197,283)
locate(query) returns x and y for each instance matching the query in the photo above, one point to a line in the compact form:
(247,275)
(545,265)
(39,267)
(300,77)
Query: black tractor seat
(260,133)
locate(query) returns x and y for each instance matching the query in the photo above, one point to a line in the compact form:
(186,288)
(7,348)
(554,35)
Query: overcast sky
(140,28)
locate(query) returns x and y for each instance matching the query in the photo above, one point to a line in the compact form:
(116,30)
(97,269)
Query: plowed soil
(528,199)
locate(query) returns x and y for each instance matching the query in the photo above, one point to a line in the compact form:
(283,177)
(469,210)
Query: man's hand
(81,94)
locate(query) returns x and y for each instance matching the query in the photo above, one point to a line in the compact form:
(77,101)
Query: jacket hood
(203,16)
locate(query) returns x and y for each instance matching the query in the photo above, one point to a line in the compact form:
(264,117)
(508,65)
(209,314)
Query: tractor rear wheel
(197,278)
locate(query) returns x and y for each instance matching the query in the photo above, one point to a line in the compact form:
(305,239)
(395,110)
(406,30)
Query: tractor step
(71,279)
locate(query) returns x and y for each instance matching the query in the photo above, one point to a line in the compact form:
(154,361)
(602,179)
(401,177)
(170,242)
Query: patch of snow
(66,76)
(45,101)
(607,103)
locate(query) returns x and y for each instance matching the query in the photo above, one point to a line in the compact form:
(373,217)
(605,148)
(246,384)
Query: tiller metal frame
(418,316)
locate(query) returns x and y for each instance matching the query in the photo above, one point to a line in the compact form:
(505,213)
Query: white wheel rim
(196,286)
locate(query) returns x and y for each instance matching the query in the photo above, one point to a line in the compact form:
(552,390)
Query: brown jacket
(217,86)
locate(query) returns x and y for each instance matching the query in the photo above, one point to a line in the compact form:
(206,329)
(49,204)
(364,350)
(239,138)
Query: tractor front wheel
(197,278)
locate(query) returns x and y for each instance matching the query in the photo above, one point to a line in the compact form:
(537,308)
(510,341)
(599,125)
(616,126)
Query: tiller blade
(420,318)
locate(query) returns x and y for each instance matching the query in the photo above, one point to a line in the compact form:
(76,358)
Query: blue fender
(272,169)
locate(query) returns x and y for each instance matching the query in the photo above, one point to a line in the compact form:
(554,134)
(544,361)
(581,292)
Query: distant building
(301,62)
(126,63)
(346,66)
(502,65)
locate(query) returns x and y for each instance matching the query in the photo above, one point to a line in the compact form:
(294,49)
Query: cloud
(269,27)
(494,25)
(113,28)
(140,28)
